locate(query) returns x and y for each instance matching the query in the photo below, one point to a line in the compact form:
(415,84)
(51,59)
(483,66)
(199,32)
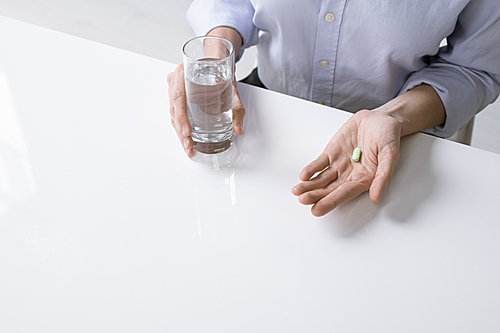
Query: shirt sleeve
(466,72)
(205,15)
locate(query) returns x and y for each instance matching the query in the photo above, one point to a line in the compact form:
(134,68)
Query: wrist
(230,34)
(396,109)
(417,109)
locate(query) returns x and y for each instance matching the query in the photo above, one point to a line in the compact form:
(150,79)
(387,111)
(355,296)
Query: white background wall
(158,28)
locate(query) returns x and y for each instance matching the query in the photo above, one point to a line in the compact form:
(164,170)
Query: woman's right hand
(178,110)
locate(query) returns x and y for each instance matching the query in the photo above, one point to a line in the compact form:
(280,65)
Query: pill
(356,154)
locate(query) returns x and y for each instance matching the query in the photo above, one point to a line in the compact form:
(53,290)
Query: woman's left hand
(339,178)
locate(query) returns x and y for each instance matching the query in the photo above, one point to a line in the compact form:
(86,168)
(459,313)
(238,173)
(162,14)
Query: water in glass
(209,87)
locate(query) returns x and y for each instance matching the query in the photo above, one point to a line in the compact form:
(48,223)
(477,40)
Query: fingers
(317,165)
(345,192)
(326,191)
(311,197)
(388,159)
(178,98)
(178,109)
(238,112)
(321,181)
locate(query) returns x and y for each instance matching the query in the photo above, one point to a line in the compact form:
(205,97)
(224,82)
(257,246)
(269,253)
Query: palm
(339,178)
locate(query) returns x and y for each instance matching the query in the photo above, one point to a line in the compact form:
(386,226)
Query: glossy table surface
(106,226)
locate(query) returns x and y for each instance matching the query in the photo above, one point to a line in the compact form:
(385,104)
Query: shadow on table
(412,183)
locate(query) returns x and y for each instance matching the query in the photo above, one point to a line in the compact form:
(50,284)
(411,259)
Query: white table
(106,226)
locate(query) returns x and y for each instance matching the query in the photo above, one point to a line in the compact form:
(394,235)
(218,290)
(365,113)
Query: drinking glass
(209,79)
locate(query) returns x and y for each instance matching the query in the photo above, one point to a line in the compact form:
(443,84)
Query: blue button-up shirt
(359,54)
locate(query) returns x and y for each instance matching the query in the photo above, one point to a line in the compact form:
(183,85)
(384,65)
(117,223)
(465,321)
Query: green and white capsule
(356,154)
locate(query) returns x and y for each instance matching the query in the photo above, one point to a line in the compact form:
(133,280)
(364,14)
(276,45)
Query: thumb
(383,176)
(238,112)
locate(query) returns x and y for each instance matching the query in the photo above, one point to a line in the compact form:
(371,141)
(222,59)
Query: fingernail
(186,143)
(185,130)
(240,124)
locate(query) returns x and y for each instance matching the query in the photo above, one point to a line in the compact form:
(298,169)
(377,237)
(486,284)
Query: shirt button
(329,17)
(320,101)
(324,63)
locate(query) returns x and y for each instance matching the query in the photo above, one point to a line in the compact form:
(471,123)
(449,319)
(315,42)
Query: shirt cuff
(464,92)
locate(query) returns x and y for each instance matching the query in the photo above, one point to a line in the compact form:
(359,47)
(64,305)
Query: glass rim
(231,50)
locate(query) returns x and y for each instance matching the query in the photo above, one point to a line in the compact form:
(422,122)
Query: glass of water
(209,78)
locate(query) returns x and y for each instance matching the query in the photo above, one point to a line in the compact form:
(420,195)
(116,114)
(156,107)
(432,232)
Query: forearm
(416,109)
(230,34)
